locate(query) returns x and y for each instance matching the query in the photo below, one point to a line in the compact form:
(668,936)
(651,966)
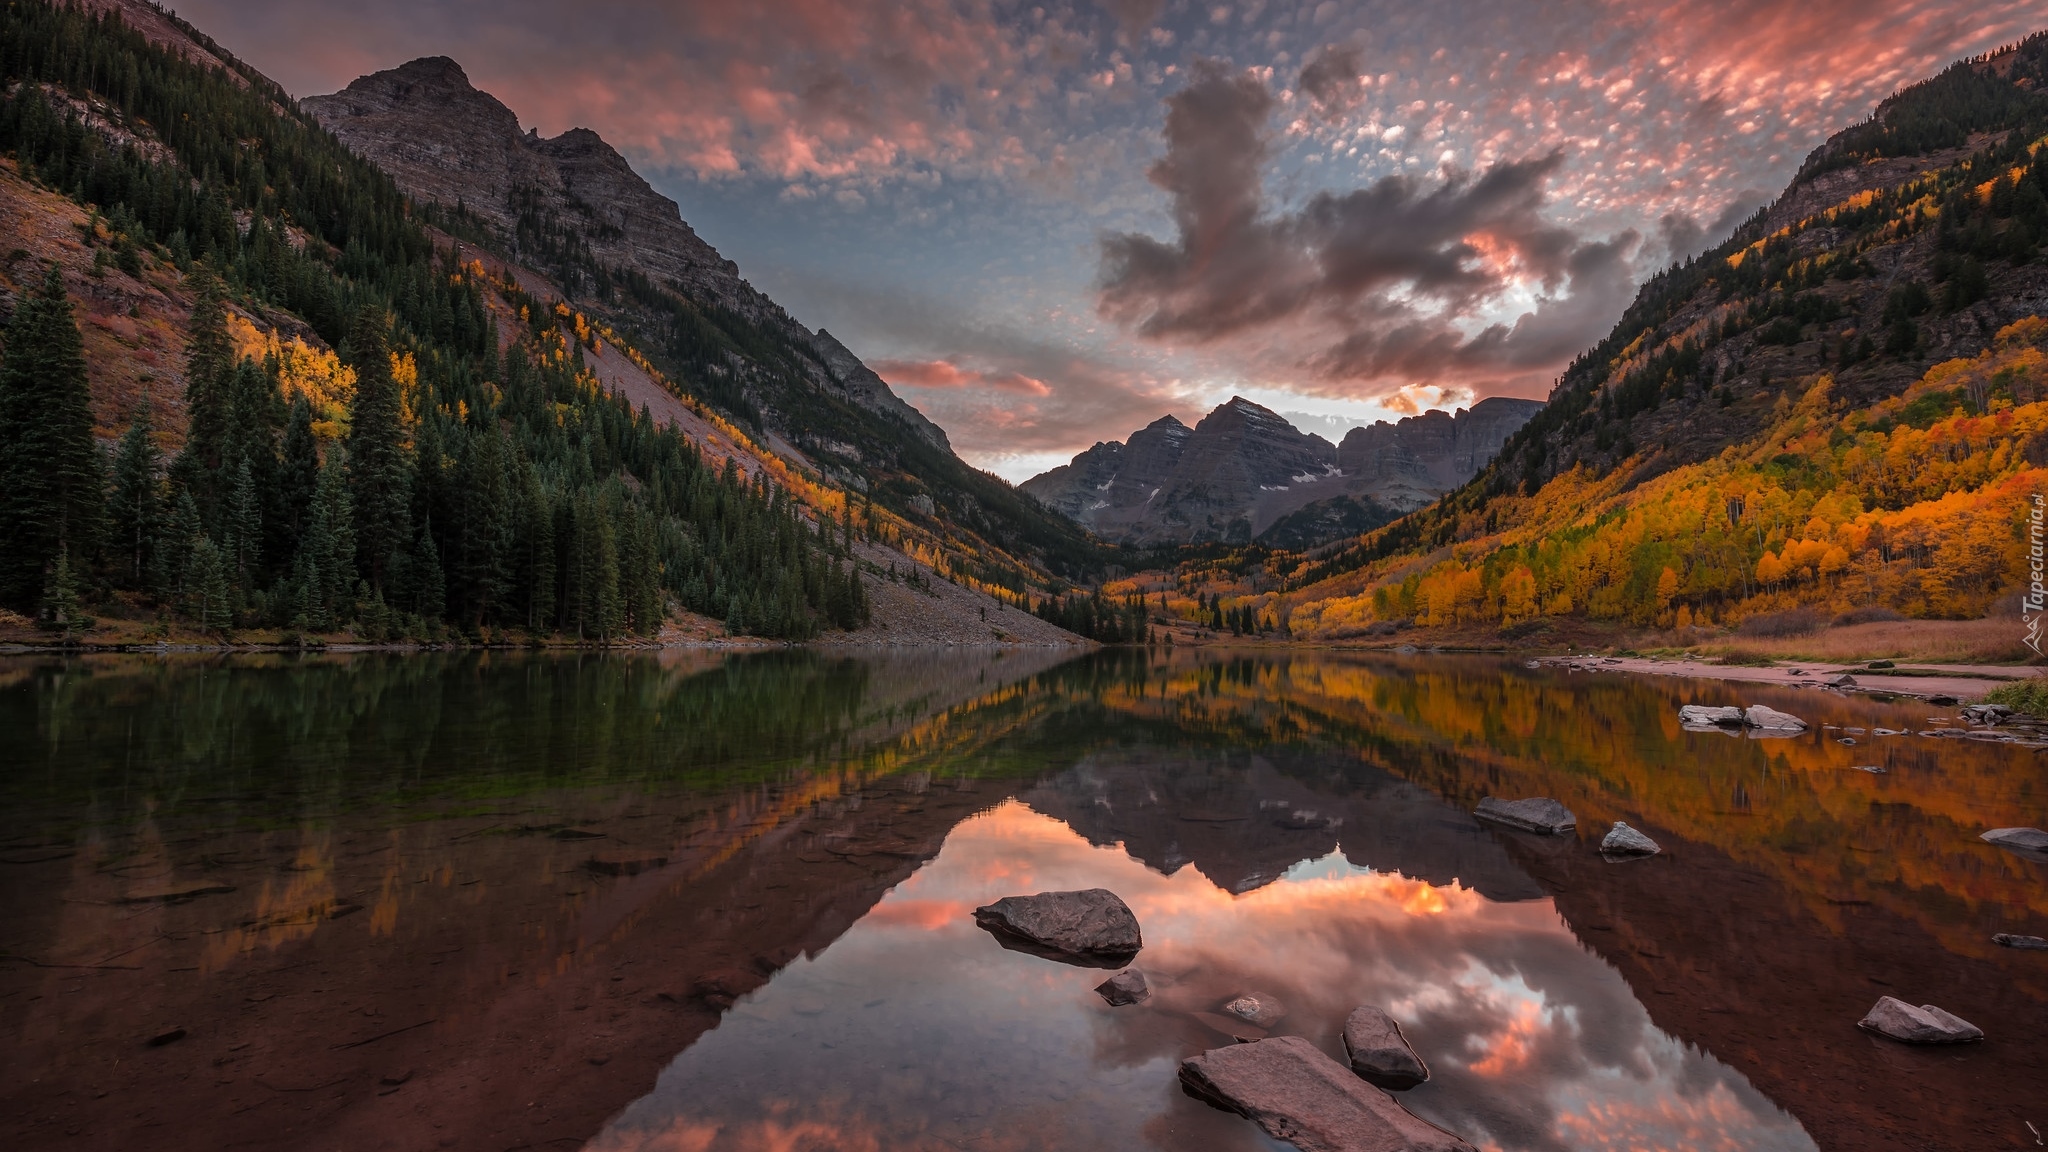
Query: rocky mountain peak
(1244,470)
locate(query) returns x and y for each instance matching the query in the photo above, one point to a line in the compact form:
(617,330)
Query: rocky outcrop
(1297,1094)
(1536,814)
(447,143)
(1244,472)
(1380,1052)
(1089,926)
(1926,1024)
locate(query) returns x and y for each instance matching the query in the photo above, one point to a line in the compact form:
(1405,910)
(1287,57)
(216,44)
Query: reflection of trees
(1611,748)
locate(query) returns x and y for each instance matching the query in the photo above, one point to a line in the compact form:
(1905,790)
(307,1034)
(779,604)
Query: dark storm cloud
(1331,81)
(1374,284)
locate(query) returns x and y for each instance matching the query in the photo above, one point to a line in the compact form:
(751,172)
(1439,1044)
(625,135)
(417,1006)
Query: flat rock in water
(1296,1093)
(1380,1052)
(1261,1008)
(1770,720)
(1622,840)
(1090,925)
(2024,839)
(2031,943)
(176,894)
(1699,716)
(624,865)
(1126,987)
(1926,1024)
(1536,814)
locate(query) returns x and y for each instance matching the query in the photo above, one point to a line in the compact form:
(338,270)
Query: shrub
(1775,625)
(1871,615)
(2029,696)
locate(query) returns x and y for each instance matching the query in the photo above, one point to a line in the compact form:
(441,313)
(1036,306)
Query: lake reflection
(916,1030)
(683,901)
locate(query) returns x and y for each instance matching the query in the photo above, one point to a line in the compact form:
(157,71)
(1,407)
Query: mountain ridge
(1244,471)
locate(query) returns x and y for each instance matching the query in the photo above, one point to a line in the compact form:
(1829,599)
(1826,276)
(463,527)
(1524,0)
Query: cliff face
(447,143)
(1245,473)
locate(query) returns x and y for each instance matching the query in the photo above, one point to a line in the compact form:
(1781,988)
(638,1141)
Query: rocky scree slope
(1244,473)
(573,210)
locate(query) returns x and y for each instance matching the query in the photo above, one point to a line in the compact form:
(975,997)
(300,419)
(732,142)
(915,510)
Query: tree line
(471,488)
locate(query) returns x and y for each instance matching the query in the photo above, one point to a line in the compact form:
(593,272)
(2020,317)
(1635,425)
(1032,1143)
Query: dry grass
(1996,640)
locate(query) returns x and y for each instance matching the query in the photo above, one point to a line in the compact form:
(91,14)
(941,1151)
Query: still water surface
(689,902)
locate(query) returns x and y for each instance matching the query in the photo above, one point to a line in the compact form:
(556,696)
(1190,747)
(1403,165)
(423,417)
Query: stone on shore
(1091,925)
(1771,721)
(1926,1024)
(1291,1089)
(2029,943)
(1843,681)
(2024,839)
(1380,1052)
(1622,840)
(1705,716)
(1126,987)
(1536,814)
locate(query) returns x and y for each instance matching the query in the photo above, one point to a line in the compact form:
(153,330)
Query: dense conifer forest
(423,477)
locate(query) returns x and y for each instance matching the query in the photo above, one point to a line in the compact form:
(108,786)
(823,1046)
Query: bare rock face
(1126,987)
(1622,840)
(447,143)
(1923,1025)
(1536,814)
(1244,469)
(1296,1093)
(1380,1052)
(1092,926)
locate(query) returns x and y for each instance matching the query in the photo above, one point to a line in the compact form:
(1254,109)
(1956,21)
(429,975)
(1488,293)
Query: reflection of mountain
(1244,818)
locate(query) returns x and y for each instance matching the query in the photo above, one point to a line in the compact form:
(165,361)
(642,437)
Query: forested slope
(350,428)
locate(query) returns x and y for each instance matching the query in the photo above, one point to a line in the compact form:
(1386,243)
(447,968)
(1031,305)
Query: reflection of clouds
(927,1033)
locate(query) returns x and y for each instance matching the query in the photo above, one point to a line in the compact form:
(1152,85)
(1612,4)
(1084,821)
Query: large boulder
(1536,814)
(1771,722)
(1622,840)
(1092,926)
(1379,1052)
(1297,1094)
(1700,717)
(1923,1025)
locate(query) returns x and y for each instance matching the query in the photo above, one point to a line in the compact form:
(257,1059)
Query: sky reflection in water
(916,1030)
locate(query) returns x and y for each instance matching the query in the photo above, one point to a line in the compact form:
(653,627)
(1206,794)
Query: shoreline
(1965,682)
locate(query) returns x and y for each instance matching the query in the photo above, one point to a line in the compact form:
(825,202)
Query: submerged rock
(2023,839)
(1622,840)
(1926,1024)
(1705,716)
(1092,925)
(1380,1052)
(2030,943)
(1296,1093)
(1770,720)
(1536,814)
(1260,1008)
(1126,987)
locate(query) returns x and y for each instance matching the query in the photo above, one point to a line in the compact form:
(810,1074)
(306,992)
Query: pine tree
(380,486)
(298,471)
(324,565)
(430,582)
(242,529)
(136,509)
(60,597)
(209,364)
(52,488)
(206,586)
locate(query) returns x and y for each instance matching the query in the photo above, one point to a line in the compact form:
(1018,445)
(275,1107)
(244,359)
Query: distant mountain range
(1244,474)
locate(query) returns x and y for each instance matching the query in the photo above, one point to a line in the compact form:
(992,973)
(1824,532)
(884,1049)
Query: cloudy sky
(1051,223)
